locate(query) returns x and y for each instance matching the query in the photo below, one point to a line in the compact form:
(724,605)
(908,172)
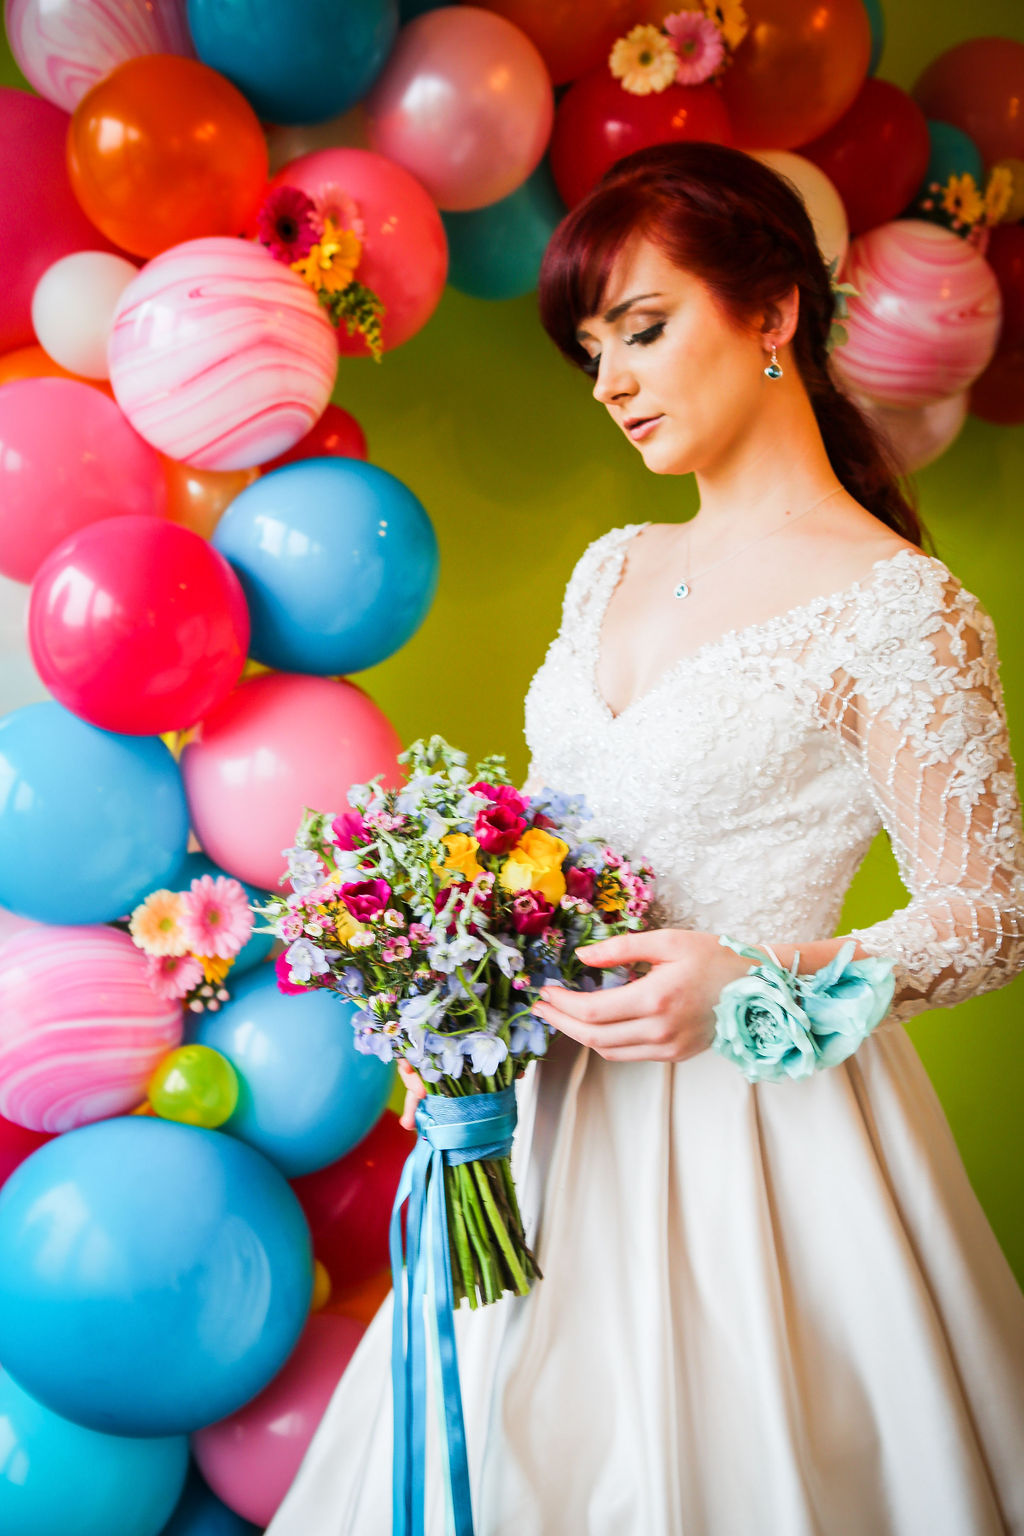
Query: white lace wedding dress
(769,1309)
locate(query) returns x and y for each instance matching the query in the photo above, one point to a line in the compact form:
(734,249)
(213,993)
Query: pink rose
(581,882)
(498,828)
(502,794)
(350,828)
(531,912)
(366,899)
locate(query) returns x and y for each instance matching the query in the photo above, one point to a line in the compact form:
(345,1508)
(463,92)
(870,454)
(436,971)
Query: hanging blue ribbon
(451,1131)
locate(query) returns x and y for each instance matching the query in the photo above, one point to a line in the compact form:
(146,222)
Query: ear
(780,319)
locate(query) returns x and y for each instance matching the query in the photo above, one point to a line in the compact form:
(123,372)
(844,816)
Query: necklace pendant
(682,590)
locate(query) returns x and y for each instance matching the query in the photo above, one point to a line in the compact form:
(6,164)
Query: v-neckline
(597,617)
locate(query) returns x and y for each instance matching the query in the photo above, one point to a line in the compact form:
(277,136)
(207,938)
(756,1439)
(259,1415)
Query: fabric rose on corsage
(774,1023)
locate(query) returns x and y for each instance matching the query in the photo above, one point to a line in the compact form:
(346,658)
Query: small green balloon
(194,1085)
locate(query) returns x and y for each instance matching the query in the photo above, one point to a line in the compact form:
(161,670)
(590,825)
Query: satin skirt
(771,1309)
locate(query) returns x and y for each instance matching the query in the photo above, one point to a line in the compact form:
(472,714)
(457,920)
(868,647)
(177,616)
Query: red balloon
(348,1204)
(998,394)
(138,625)
(1005,255)
(979,86)
(876,155)
(336,435)
(597,122)
(17,1143)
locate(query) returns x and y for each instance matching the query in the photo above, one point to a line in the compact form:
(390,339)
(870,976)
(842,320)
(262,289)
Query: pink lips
(642,428)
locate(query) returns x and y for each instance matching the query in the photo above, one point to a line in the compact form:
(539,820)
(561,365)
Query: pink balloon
(465,103)
(67,459)
(81,1029)
(405,248)
(250,1458)
(919,437)
(925,321)
(15,1145)
(12,923)
(221,356)
(64,46)
(138,625)
(281,741)
(42,220)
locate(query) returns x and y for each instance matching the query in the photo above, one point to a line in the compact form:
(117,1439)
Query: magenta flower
(215,916)
(349,829)
(366,899)
(286,224)
(531,912)
(498,827)
(699,44)
(281,969)
(580,882)
(173,976)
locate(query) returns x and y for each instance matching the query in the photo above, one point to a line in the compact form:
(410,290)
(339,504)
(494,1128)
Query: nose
(614,381)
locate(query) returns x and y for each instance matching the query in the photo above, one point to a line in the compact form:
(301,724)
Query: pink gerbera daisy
(172,976)
(335,204)
(287,224)
(699,44)
(215,916)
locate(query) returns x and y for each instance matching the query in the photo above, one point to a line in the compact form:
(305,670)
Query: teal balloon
(57,1477)
(258,946)
(296,63)
(876,17)
(953,153)
(495,252)
(201,1513)
(90,821)
(306,1096)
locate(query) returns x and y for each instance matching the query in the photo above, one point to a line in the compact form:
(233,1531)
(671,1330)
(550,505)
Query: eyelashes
(640,338)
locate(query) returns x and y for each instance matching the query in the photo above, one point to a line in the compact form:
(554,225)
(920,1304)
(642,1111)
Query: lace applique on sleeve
(921,705)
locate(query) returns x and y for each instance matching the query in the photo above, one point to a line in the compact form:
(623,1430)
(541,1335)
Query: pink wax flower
(215,916)
(365,899)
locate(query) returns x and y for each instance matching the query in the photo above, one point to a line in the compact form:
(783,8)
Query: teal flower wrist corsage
(775,1023)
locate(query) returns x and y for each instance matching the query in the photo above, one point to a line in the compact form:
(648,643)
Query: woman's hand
(666,1015)
(414,1091)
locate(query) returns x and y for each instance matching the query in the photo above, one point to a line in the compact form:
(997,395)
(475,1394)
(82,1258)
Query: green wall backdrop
(520,469)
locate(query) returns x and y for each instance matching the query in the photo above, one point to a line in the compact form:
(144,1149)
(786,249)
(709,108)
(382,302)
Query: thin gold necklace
(684,588)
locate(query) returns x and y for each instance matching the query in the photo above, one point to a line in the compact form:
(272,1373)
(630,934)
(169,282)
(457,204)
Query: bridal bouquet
(439,910)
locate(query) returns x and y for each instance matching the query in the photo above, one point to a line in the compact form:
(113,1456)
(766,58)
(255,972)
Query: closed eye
(639,338)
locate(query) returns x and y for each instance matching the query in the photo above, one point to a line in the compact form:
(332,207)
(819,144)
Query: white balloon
(820,197)
(73,307)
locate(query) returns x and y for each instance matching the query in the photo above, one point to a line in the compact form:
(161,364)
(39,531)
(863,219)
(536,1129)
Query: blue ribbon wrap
(451,1130)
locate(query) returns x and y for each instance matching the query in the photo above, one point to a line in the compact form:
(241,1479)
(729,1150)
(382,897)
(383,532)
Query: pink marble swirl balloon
(64,46)
(81,1029)
(925,321)
(220,356)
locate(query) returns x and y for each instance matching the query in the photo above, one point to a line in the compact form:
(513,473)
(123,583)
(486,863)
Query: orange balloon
(34,363)
(570,37)
(362,1301)
(164,149)
(198,498)
(796,71)
(978,86)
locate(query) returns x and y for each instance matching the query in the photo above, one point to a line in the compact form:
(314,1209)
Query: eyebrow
(619,309)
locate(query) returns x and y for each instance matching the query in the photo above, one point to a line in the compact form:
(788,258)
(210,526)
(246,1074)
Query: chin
(666,459)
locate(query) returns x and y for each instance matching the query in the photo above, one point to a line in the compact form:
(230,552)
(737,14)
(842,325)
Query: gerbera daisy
(286,223)
(730,18)
(332,262)
(961,198)
(173,976)
(998,193)
(334,204)
(698,43)
(214,968)
(215,917)
(644,60)
(156,926)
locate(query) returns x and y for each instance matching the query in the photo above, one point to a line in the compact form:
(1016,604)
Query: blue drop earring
(774,368)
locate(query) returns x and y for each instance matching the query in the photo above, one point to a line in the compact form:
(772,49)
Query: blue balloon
(56,1476)
(201,1513)
(306,1096)
(407,9)
(953,153)
(296,63)
(338,560)
(876,20)
(153,1276)
(254,949)
(107,811)
(495,252)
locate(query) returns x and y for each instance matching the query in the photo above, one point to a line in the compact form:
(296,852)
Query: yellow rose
(535,864)
(345,925)
(462,852)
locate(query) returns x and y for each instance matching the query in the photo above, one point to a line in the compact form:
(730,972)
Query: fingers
(609,1005)
(648,944)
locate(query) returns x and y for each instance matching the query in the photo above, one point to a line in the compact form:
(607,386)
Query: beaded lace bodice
(755,772)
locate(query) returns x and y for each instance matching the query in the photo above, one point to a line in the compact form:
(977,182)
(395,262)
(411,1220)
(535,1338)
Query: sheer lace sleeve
(921,706)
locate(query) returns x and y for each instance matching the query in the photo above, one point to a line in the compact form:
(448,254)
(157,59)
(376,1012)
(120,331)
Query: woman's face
(672,354)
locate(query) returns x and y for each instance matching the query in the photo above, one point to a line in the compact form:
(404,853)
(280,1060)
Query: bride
(768,1308)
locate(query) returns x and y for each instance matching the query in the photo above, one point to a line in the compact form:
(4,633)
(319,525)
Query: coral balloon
(570,38)
(279,742)
(65,46)
(137,625)
(820,198)
(198,498)
(337,435)
(876,155)
(250,1459)
(73,309)
(997,395)
(978,86)
(921,436)
(465,103)
(405,252)
(81,1029)
(926,318)
(195,1086)
(34,363)
(42,220)
(68,458)
(597,122)
(1005,255)
(797,70)
(164,150)
(221,356)
(348,1204)
(16,1143)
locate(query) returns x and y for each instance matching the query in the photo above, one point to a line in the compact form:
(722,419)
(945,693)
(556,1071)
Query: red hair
(743,230)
